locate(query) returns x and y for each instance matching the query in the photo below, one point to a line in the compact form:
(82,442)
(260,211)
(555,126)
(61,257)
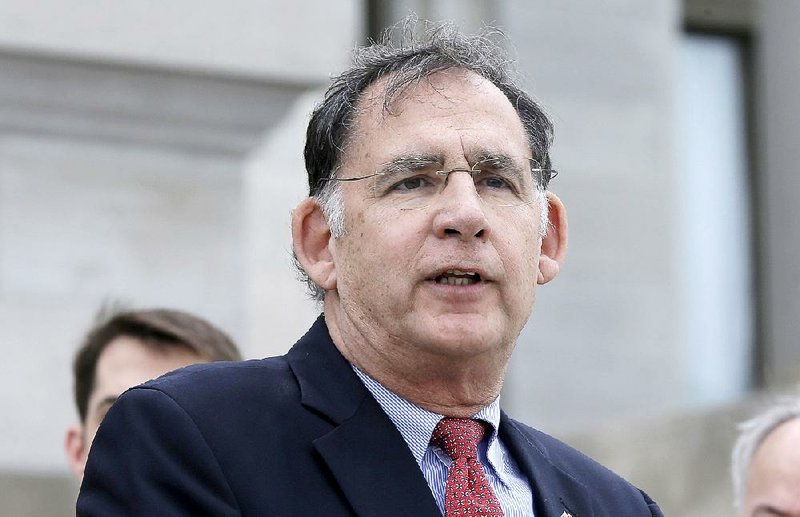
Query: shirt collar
(416,424)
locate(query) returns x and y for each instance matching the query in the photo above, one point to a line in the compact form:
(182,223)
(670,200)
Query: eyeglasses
(413,183)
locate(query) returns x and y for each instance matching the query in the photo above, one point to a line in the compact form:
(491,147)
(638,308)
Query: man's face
(124,363)
(773,481)
(392,264)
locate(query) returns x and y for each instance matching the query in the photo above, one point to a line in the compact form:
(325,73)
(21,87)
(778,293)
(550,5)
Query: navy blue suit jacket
(300,435)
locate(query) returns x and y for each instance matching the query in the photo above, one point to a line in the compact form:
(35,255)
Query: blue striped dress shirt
(416,425)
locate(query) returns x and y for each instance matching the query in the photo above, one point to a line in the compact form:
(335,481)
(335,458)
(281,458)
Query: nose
(459,210)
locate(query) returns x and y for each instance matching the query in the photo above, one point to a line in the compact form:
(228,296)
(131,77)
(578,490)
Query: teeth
(449,280)
(458,277)
(461,273)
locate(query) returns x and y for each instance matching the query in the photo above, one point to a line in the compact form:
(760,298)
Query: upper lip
(459,269)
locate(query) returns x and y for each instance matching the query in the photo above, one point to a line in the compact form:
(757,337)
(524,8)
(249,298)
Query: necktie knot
(458,437)
(468,492)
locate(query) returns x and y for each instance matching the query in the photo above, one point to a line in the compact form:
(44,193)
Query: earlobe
(76,451)
(311,240)
(554,242)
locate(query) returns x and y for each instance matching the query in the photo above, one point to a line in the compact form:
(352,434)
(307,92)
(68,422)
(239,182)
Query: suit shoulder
(565,457)
(223,380)
(605,485)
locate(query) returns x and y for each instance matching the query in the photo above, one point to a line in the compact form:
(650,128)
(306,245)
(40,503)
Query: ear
(554,242)
(311,239)
(75,447)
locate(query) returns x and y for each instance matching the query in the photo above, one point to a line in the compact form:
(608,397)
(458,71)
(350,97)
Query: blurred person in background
(766,462)
(428,228)
(125,348)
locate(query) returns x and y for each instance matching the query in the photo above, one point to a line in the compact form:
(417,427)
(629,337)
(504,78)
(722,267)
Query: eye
(496,182)
(411,183)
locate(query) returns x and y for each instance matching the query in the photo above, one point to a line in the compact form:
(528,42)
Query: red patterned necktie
(468,493)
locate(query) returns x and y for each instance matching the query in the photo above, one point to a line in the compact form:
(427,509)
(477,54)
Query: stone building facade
(151,153)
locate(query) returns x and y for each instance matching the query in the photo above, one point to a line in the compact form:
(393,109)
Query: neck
(451,397)
(450,384)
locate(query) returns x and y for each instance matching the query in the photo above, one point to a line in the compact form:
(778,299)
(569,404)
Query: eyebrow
(499,160)
(768,510)
(411,162)
(421,161)
(417,161)
(502,161)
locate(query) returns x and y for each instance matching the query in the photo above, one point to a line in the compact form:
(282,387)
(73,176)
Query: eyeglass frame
(543,178)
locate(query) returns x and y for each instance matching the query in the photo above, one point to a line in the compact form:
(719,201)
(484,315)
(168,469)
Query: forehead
(127,361)
(780,447)
(774,473)
(447,108)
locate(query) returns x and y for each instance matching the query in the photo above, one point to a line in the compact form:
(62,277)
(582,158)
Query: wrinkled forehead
(445,88)
(446,93)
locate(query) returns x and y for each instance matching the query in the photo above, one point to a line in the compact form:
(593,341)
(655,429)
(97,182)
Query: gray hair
(752,434)
(404,64)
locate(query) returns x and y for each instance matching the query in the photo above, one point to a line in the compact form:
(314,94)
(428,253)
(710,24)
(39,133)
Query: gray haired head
(404,60)
(752,434)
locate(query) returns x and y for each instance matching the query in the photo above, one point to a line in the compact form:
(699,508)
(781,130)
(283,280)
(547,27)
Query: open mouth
(457,277)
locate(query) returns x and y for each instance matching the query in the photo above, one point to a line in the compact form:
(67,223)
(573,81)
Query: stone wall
(139,160)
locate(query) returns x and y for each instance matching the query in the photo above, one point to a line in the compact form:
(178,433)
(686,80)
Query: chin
(463,335)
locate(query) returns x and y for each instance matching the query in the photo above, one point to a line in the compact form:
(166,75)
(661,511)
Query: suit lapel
(372,463)
(554,491)
(374,466)
(364,450)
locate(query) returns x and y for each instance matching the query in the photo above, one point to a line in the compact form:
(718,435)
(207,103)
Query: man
(427,231)
(126,348)
(766,462)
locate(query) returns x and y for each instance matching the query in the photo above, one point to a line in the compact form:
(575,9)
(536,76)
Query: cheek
(531,246)
(89,432)
(369,261)
(522,267)
(523,247)
(392,237)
